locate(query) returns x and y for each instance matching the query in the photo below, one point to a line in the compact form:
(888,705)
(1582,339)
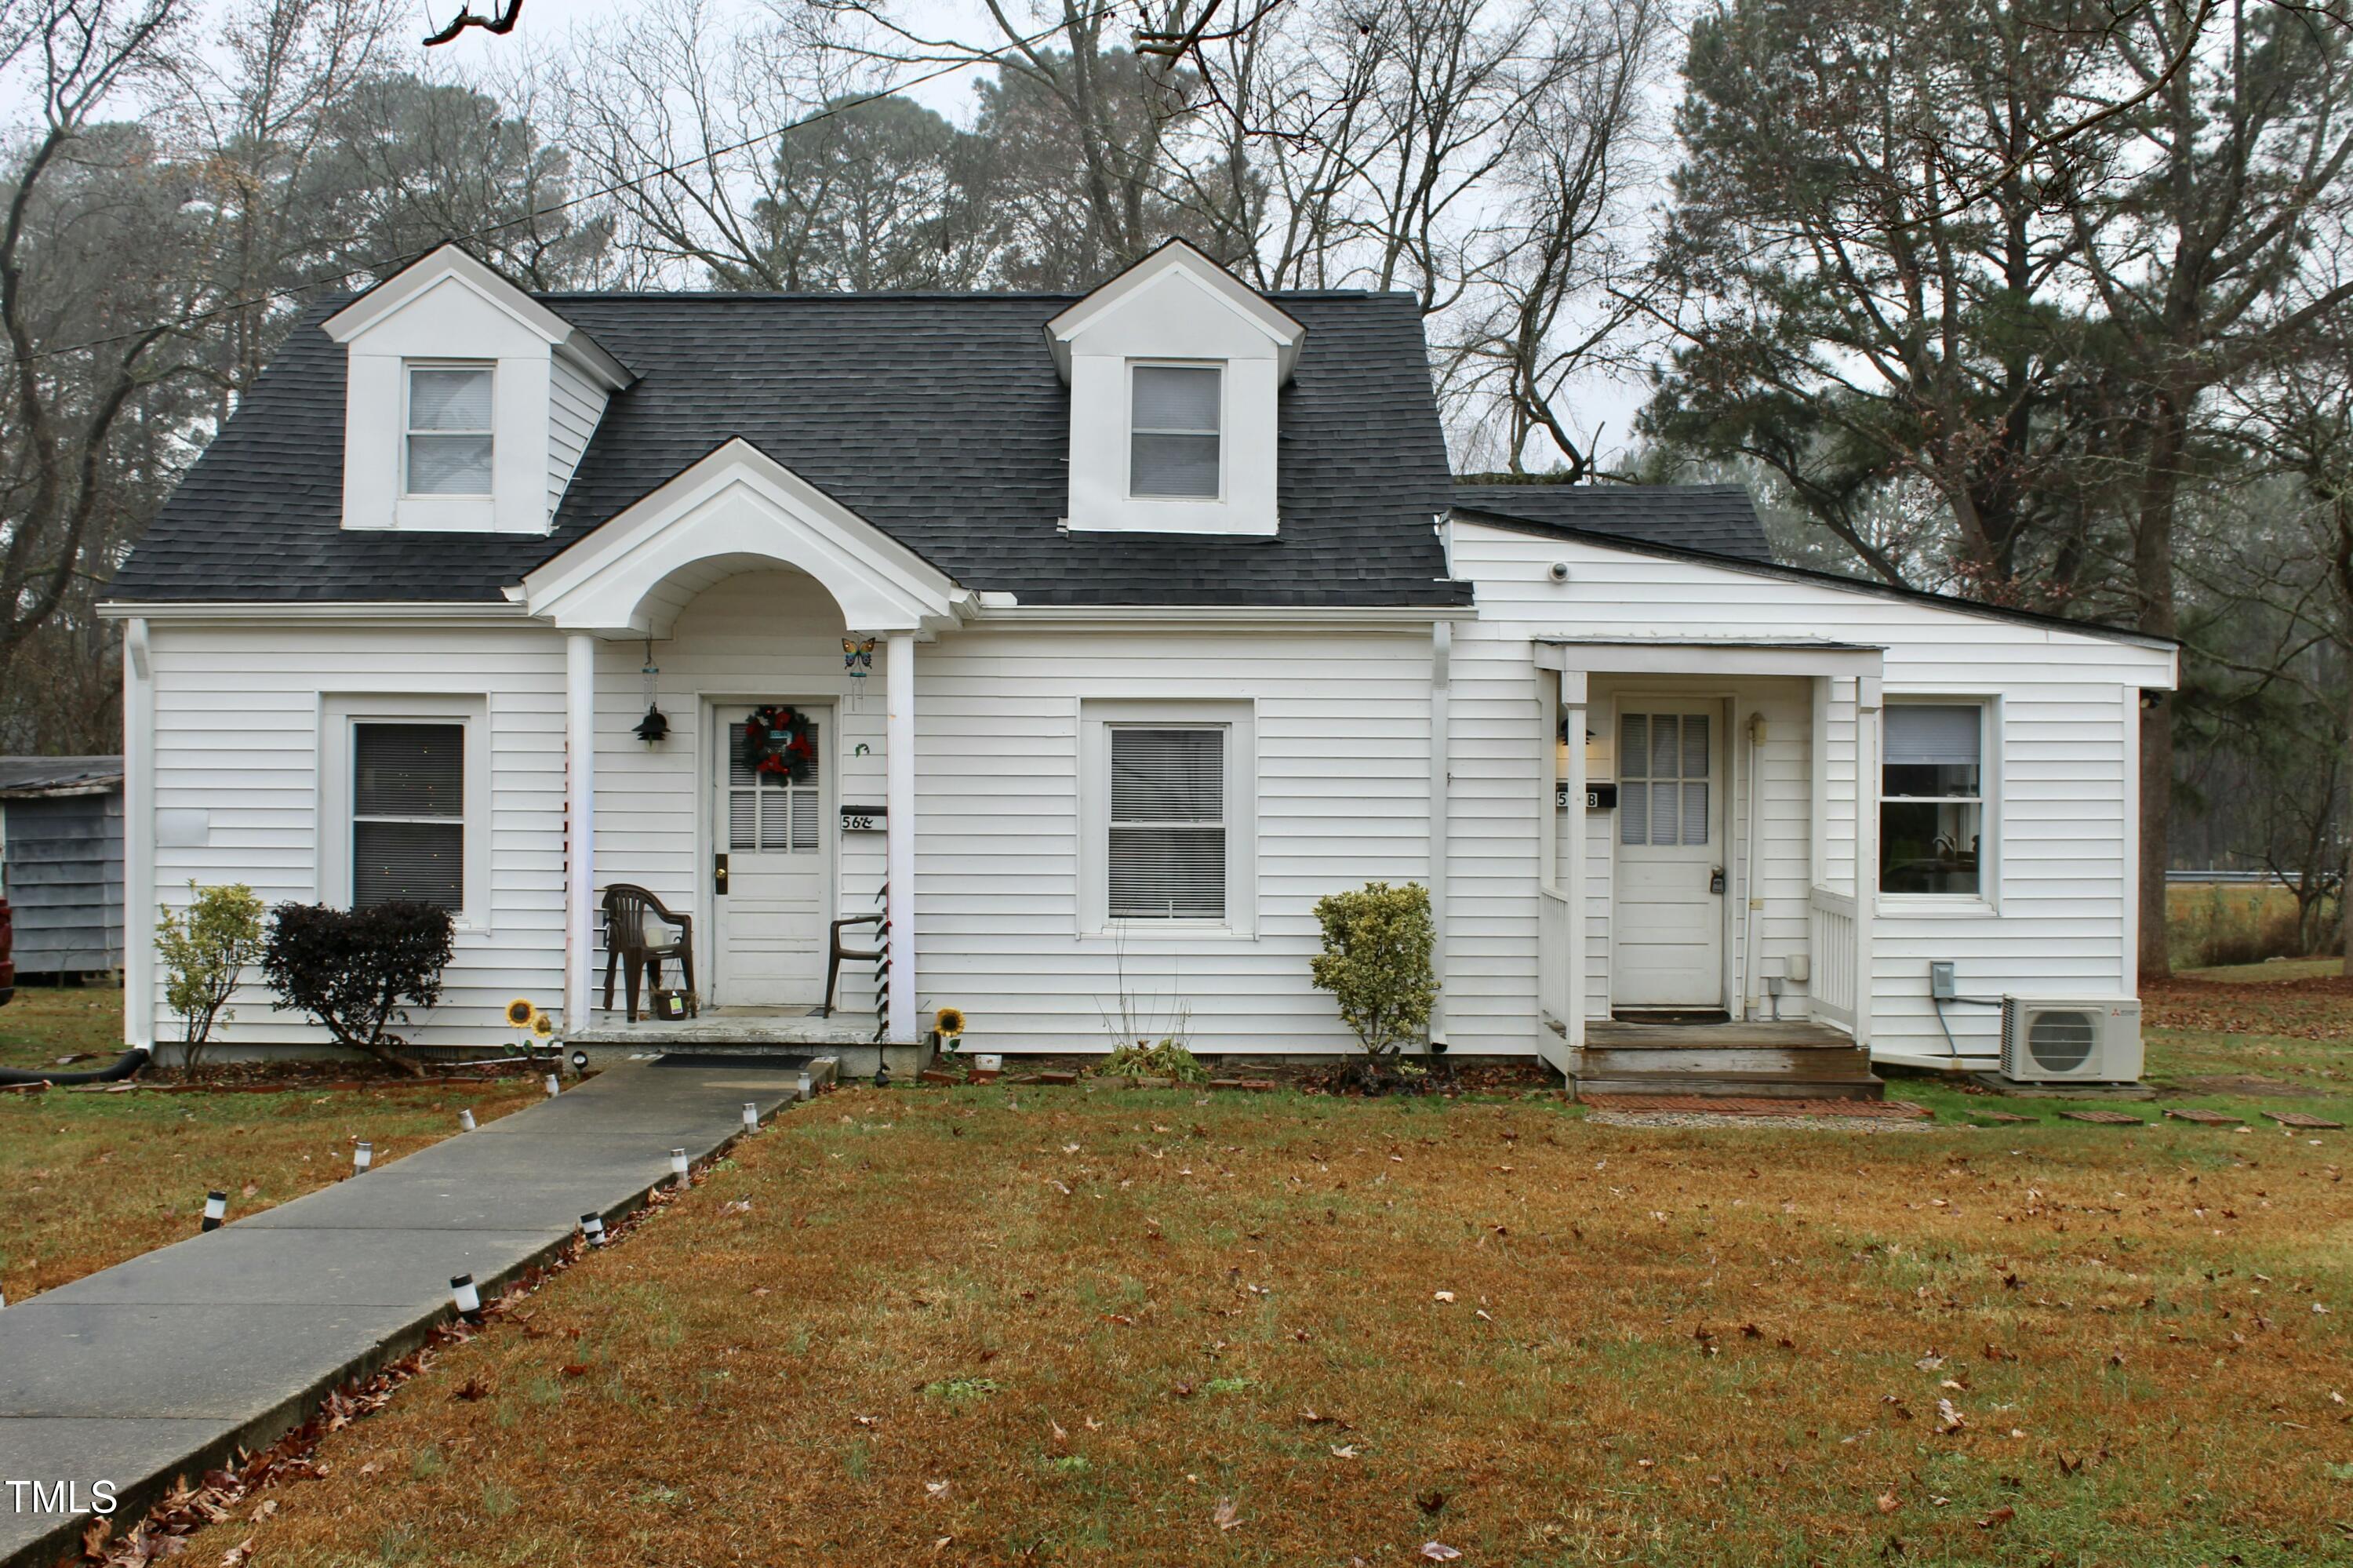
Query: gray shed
(61,861)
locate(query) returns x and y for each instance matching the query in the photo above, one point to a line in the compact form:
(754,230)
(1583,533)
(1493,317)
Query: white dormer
(469,402)
(1174,368)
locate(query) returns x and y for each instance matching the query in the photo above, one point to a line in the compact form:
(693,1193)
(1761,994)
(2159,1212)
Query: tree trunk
(2345,888)
(2153,578)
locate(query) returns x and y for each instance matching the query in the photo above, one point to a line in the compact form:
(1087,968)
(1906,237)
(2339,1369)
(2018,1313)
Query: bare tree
(64,404)
(1566,279)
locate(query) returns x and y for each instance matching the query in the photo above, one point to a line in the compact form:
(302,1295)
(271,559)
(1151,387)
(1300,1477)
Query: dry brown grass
(92,1178)
(929,1327)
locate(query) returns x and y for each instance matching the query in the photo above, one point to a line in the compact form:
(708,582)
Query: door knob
(719,874)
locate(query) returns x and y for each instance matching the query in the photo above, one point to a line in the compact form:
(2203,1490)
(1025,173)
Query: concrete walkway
(163,1366)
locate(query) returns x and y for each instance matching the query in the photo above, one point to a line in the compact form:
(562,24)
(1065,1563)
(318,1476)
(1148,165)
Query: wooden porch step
(1796,1035)
(1756,1086)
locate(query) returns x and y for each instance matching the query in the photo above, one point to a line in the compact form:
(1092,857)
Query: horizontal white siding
(2065,866)
(1342,749)
(1342,754)
(574,405)
(238,719)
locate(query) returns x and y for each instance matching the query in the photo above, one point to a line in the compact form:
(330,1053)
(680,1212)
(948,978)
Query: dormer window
(1172,450)
(449,430)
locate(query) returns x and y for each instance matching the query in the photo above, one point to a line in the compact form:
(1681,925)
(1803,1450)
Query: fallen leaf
(1344,1450)
(1442,1296)
(1997,1519)
(1430,1503)
(1439,1551)
(1889,1502)
(240,1554)
(940,1544)
(1949,1420)
(1223,1514)
(936,1488)
(472,1388)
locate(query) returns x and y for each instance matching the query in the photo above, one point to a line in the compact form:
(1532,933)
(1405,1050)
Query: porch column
(580,825)
(1572,883)
(898,801)
(1866,845)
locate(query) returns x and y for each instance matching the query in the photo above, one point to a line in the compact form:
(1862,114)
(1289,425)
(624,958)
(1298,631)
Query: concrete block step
(1768,1085)
(1842,1063)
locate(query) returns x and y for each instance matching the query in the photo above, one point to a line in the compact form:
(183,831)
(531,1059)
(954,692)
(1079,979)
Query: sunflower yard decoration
(780,742)
(949,1025)
(524,1016)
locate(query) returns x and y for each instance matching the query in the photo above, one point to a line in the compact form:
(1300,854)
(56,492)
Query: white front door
(1667,925)
(772,868)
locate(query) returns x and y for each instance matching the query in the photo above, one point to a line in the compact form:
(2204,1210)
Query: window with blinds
(1662,778)
(1168,849)
(767,813)
(1173,447)
(448,429)
(1931,797)
(408,814)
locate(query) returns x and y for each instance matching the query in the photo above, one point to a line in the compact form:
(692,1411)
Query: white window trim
(339,715)
(1239,718)
(1224,431)
(408,367)
(1986,900)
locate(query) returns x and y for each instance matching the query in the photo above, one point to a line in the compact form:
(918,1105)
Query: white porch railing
(1552,946)
(1831,930)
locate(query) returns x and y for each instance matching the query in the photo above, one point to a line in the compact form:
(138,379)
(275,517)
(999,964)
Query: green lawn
(1102,1325)
(45,1023)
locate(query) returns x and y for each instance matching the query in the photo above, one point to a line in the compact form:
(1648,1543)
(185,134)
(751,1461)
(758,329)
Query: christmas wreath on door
(779,741)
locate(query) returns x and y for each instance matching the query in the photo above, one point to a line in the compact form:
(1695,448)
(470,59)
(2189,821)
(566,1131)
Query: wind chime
(656,724)
(857,659)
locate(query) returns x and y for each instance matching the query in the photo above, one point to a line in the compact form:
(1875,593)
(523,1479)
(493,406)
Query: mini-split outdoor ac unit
(2070,1041)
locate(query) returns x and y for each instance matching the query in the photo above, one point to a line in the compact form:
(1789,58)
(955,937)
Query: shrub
(357,972)
(1169,1059)
(204,949)
(1376,962)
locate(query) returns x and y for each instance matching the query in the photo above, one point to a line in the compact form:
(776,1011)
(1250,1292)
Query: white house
(1120,630)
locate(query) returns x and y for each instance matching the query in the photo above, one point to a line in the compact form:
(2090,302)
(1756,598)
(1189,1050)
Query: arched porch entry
(736,515)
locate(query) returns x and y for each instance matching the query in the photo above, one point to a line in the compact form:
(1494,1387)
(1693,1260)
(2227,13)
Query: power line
(708,155)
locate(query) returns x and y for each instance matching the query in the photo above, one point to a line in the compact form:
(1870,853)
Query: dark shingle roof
(1713,519)
(937,417)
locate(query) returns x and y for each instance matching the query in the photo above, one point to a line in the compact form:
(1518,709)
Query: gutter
(311,609)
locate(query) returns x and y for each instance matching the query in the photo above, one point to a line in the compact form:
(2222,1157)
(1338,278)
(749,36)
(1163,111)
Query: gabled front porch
(1702,839)
(743,605)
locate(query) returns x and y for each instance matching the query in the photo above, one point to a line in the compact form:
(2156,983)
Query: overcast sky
(1610,403)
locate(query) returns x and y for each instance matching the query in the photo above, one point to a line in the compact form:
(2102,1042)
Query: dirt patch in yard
(2240,1084)
(2317,1008)
(1063,1324)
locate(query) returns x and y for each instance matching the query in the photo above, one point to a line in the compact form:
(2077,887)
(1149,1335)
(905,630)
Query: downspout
(1441,654)
(138,837)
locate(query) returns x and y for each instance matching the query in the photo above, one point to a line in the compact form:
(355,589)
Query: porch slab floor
(728,1026)
(166,1364)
